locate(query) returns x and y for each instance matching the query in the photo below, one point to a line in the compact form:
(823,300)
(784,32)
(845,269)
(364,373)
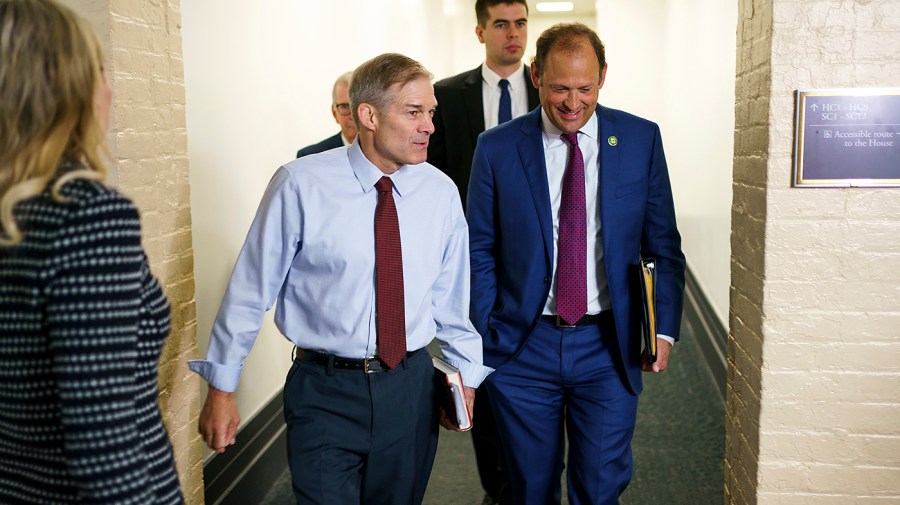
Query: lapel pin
(613,141)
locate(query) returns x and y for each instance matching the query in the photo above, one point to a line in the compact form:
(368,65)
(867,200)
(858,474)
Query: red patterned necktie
(390,318)
(571,265)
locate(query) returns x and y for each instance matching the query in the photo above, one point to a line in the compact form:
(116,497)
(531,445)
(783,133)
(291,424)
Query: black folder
(648,296)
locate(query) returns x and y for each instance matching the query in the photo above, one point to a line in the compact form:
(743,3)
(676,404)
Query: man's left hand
(663,348)
(450,424)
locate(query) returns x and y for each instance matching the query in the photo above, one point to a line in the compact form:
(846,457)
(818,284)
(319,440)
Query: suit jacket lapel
(610,163)
(473,100)
(531,152)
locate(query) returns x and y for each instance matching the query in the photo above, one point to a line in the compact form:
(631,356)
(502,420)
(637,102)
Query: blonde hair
(50,71)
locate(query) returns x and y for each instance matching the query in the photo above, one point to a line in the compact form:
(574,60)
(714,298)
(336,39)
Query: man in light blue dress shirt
(358,431)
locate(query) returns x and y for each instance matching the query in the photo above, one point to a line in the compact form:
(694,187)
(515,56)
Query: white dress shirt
(490,94)
(311,247)
(556,155)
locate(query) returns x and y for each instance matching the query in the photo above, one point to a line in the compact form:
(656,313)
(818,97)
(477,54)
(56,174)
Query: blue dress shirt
(311,247)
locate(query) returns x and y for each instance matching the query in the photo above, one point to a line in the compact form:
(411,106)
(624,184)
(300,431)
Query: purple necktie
(571,265)
(390,320)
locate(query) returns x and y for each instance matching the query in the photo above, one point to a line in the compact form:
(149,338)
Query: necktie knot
(504,84)
(384,185)
(570,138)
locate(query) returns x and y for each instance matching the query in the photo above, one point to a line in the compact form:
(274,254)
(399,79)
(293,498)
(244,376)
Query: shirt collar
(492,79)
(367,174)
(552,134)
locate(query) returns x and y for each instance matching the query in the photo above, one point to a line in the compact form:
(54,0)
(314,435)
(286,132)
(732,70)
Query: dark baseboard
(246,472)
(707,329)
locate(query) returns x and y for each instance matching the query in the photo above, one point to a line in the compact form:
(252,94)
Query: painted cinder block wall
(814,346)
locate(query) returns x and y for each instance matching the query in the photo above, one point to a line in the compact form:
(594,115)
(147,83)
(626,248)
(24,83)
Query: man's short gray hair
(372,80)
(345,79)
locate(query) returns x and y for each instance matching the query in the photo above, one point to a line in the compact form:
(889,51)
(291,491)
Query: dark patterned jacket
(82,324)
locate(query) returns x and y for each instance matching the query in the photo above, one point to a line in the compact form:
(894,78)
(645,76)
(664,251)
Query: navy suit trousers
(565,381)
(358,438)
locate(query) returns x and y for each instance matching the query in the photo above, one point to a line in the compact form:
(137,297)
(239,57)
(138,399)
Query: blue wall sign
(847,138)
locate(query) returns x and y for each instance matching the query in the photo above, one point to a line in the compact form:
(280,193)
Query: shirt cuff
(222,377)
(472,374)
(667,338)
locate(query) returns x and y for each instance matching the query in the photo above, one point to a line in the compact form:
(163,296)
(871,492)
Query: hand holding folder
(648,295)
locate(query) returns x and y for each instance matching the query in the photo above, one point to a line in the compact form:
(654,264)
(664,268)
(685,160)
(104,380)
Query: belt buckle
(366,368)
(561,323)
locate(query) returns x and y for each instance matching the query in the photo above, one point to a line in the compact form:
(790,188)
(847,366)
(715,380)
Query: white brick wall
(814,348)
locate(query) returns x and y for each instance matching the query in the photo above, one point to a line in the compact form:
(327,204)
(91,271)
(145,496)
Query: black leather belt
(584,321)
(367,365)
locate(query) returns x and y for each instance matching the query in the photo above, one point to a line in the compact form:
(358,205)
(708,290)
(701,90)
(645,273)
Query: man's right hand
(219,420)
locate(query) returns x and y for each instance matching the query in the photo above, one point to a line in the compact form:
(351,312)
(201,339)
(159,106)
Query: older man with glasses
(340,109)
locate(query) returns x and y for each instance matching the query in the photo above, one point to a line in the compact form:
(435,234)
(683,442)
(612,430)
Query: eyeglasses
(343,108)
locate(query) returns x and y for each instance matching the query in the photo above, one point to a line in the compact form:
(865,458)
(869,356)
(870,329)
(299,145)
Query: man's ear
(479,32)
(368,118)
(603,76)
(535,80)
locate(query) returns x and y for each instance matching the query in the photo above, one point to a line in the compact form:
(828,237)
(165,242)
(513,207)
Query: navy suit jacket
(329,143)
(511,233)
(459,120)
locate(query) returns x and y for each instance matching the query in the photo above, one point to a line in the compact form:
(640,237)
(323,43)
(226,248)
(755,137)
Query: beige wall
(142,42)
(813,413)
(673,62)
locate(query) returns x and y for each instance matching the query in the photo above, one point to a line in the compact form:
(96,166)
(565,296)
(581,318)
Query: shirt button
(546,280)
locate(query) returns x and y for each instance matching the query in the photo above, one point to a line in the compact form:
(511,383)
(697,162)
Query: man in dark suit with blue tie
(340,109)
(468,104)
(476,100)
(562,204)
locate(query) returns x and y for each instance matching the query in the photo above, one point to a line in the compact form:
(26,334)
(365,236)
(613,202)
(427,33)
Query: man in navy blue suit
(340,109)
(562,204)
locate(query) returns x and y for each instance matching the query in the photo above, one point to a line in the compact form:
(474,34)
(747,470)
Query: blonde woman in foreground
(82,320)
